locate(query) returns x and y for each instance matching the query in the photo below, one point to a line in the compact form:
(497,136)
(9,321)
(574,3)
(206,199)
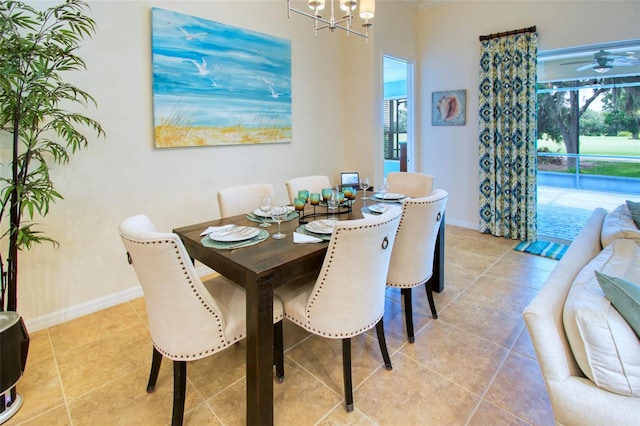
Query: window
(395,127)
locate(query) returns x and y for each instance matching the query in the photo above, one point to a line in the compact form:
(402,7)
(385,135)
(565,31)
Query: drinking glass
(314,198)
(383,188)
(265,207)
(278,214)
(348,192)
(333,202)
(364,184)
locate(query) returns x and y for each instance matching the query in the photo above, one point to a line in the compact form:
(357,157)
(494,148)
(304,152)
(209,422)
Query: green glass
(326,193)
(304,194)
(298,203)
(341,197)
(314,198)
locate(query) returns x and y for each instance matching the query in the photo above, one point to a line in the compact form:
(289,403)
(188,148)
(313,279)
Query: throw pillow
(604,345)
(624,296)
(634,208)
(618,224)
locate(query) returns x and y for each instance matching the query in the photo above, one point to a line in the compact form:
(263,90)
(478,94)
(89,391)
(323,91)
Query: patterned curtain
(507,136)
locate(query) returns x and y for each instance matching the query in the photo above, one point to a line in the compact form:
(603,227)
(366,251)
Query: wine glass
(383,188)
(333,202)
(265,208)
(278,214)
(364,185)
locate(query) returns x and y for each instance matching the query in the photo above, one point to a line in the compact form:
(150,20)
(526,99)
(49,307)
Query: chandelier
(367,10)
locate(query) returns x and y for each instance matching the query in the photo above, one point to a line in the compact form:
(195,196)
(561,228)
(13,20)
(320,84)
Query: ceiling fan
(603,61)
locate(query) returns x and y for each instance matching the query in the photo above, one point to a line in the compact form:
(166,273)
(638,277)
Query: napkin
(214,229)
(299,238)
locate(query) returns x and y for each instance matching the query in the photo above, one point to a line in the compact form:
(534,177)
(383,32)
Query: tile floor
(473,366)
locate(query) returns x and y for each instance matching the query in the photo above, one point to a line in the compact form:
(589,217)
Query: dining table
(261,267)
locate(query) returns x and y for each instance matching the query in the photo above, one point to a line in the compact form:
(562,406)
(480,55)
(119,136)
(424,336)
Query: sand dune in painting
(168,136)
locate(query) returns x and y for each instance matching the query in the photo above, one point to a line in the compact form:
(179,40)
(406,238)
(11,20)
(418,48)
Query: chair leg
(432,303)
(179,391)
(408,313)
(278,351)
(383,344)
(346,372)
(155,369)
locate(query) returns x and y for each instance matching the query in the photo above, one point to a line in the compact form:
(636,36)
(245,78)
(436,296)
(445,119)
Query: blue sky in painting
(210,74)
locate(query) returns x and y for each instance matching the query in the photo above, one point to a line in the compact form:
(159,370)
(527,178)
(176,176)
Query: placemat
(227,245)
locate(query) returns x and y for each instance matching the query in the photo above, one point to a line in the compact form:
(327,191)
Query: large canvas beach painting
(215,84)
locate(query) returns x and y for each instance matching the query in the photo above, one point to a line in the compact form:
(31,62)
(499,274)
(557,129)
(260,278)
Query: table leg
(260,351)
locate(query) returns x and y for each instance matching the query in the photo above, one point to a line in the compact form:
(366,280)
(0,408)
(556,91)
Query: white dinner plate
(377,208)
(389,196)
(237,233)
(258,212)
(324,226)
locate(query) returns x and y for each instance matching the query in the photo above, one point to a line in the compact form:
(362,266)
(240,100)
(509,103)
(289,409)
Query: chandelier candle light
(367,11)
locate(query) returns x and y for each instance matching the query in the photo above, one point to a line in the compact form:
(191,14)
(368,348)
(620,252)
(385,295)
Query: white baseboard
(55,318)
(462,224)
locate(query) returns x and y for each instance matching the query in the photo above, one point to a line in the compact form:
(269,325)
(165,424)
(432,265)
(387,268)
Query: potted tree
(38,48)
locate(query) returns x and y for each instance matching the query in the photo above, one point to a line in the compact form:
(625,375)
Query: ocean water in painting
(215,84)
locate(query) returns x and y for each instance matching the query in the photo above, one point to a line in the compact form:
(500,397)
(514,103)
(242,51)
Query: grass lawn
(599,145)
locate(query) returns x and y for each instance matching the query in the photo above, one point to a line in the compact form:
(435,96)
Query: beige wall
(448,58)
(337,113)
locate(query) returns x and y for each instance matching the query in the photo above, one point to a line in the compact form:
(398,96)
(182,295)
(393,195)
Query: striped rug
(543,248)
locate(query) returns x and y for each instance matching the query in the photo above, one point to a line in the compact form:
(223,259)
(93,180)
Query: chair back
(184,319)
(243,199)
(310,183)
(412,257)
(410,184)
(349,295)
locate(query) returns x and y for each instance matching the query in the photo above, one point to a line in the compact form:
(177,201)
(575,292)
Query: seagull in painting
(214,83)
(189,36)
(267,82)
(274,95)
(202,67)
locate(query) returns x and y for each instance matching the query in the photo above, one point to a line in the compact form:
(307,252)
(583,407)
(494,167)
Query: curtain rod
(508,33)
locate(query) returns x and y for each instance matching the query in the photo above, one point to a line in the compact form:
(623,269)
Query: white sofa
(577,399)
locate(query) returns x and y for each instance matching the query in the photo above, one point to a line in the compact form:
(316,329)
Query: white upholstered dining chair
(410,184)
(310,183)
(188,319)
(348,297)
(243,199)
(411,263)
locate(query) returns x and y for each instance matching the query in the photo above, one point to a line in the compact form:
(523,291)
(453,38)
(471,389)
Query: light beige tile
(411,394)
(85,368)
(40,389)
(461,357)
(524,345)
(91,328)
(339,417)
(39,346)
(519,274)
(498,326)
(58,416)
(489,414)
(126,402)
(322,357)
(519,389)
(300,400)
(498,293)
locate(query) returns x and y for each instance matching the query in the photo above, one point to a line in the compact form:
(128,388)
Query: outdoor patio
(562,212)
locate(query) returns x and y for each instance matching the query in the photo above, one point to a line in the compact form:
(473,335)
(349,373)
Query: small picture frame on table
(349,179)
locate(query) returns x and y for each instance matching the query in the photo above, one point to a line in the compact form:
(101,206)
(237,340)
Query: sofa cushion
(634,209)
(624,296)
(618,224)
(604,345)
